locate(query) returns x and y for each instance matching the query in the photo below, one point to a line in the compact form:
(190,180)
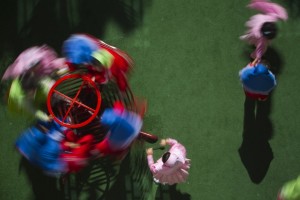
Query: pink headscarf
(271,12)
(43,57)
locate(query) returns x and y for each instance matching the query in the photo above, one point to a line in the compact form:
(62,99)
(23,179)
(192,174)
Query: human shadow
(49,24)
(255,151)
(95,14)
(275,60)
(44,187)
(133,181)
(95,181)
(293,7)
(170,192)
(28,23)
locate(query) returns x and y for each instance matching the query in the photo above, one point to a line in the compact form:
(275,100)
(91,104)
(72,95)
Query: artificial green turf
(187,57)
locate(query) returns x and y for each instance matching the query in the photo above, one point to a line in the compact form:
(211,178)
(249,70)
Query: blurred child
(54,149)
(76,150)
(123,128)
(31,82)
(103,61)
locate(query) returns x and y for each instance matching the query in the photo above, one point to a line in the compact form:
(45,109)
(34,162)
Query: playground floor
(187,57)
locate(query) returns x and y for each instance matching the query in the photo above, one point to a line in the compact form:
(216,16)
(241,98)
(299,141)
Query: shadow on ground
(104,179)
(135,181)
(275,60)
(293,7)
(43,187)
(165,192)
(255,151)
(92,183)
(27,23)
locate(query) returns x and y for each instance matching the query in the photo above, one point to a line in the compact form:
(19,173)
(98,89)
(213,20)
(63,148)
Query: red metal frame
(86,80)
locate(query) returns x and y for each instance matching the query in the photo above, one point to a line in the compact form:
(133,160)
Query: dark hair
(265,62)
(166,156)
(29,81)
(269,30)
(96,62)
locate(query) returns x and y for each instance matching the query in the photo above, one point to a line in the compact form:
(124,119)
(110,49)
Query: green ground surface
(187,57)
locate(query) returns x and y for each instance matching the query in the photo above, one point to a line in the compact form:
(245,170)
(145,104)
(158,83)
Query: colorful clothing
(175,169)
(258,81)
(30,75)
(46,147)
(83,49)
(272,13)
(43,59)
(290,190)
(124,128)
(29,102)
(43,150)
(77,157)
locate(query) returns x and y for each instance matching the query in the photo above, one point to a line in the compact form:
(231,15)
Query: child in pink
(262,27)
(172,167)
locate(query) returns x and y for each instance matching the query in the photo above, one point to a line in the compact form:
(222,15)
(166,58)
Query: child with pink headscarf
(262,27)
(173,166)
(30,80)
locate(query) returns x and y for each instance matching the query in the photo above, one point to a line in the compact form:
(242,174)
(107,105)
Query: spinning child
(124,127)
(102,60)
(54,149)
(31,82)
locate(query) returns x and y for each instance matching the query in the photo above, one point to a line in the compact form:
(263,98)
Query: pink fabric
(45,56)
(261,47)
(269,8)
(272,12)
(171,175)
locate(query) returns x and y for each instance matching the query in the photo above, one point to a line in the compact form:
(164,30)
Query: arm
(150,156)
(150,160)
(261,47)
(171,141)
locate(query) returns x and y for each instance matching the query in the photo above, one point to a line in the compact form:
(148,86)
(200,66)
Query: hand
(254,62)
(163,142)
(149,151)
(72,144)
(50,118)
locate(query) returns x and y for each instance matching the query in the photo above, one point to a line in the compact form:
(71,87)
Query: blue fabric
(29,143)
(53,125)
(41,150)
(258,78)
(78,49)
(124,128)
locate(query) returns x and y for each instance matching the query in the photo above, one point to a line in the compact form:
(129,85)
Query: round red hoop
(74,100)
